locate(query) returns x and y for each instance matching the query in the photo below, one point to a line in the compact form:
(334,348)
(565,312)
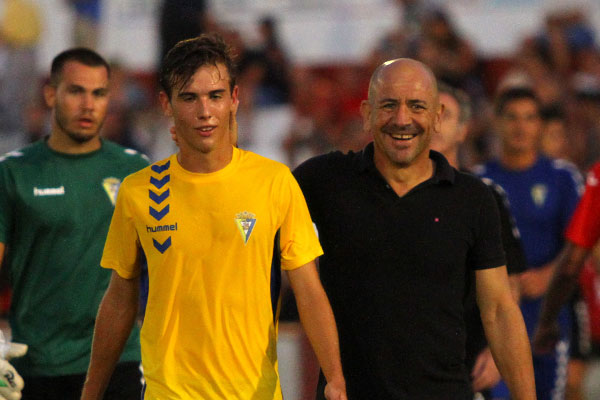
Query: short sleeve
(298,239)
(584,226)
(122,247)
(487,251)
(6,203)
(516,261)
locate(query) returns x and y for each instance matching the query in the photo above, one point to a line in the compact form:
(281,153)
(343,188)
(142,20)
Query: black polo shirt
(396,270)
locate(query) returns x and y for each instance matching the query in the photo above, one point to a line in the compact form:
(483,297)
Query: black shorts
(125,384)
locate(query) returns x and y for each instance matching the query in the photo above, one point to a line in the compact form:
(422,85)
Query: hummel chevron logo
(162,247)
(158,198)
(161,168)
(159,183)
(158,215)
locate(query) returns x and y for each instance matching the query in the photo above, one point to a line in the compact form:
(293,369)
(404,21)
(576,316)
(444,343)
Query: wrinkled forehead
(403,81)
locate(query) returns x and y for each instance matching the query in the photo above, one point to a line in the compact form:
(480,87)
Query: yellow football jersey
(210,327)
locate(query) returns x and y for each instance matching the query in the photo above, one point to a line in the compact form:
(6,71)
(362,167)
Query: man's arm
(114,322)
(505,331)
(563,284)
(319,324)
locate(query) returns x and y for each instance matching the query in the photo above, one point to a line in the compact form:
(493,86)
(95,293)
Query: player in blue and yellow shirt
(543,194)
(215,224)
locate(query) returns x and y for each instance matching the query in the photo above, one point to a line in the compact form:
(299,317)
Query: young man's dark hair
(182,61)
(515,93)
(79,54)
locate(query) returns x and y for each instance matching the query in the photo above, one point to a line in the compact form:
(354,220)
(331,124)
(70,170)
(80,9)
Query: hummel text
(59,191)
(161,228)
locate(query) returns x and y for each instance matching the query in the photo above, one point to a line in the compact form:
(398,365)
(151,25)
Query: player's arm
(563,284)
(114,322)
(505,331)
(319,324)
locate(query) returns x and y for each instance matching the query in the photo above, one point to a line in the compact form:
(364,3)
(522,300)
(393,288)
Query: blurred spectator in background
(86,23)
(543,194)
(444,50)
(20,29)
(585,113)
(182,19)
(316,107)
(554,132)
(128,99)
(326,104)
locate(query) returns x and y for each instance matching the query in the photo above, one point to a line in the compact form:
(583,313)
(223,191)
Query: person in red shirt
(582,234)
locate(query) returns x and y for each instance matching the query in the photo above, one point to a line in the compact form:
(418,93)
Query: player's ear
(365,112)
(235,100)
(50,95)
(437,118)
(165,103)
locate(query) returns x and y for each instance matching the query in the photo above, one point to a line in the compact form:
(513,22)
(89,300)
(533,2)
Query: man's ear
(463,130)
(165,103)
(50,95)
(365,112)
(235,100)
(437,118)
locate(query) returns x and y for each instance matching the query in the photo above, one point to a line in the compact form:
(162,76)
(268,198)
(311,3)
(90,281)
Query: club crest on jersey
(539,192)
(245,222)
(111,187)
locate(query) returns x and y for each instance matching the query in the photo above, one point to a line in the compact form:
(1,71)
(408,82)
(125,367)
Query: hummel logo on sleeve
(59,191)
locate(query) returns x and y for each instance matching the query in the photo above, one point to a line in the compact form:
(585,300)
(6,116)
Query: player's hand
(11,382)
(336,391)
(534,282)
(545,337)
(485,374)
(15,350)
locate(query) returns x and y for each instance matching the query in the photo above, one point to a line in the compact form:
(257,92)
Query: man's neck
(205,162)
(61,143)
(518,161)
(452,157)
(403,179)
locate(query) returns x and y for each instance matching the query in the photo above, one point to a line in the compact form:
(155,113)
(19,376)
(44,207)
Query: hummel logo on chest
(59,191)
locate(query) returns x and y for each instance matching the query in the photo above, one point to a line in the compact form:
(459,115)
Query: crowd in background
(561,63)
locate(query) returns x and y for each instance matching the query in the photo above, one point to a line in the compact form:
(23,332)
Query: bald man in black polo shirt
(401,230)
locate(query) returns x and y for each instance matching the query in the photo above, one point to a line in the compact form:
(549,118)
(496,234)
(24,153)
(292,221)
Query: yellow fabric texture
(21,23)
(209,331)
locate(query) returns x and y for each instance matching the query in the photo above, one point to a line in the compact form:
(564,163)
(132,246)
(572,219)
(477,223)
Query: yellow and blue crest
(245,222)
(111,187)
(539,193)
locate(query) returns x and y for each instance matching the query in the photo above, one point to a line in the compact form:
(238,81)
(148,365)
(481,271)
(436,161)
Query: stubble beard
(77,137)
(407,160)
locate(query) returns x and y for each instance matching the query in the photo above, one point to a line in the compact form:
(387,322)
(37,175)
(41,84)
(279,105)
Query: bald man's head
(399,69)
(402,112)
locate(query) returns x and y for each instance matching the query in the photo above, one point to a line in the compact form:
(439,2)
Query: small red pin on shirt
(437,219)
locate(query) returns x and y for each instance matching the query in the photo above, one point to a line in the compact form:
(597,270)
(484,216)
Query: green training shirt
(55,210)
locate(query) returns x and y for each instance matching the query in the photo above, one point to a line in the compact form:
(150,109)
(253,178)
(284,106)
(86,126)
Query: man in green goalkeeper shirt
(57,199)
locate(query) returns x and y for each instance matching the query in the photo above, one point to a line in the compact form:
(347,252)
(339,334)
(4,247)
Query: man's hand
(535,282)
(485,374)
(336,391)
(11,382)
(545,337)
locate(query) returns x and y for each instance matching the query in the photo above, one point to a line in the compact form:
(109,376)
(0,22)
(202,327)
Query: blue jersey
(542,199)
